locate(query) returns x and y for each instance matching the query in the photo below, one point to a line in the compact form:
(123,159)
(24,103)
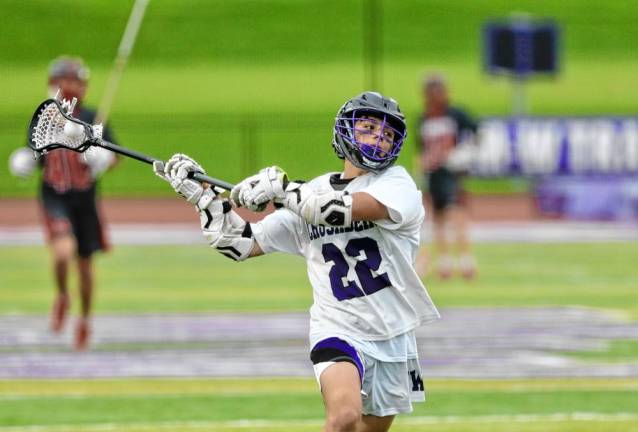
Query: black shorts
(74,212)
(445,189)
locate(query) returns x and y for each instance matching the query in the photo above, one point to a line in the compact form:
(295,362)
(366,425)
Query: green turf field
(169,279)
(295,405)
(225,82)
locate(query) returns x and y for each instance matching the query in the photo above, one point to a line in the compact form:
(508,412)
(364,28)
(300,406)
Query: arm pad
(333,208)
(224,229)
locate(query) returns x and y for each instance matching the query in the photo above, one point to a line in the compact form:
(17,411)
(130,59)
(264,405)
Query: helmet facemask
(386,135)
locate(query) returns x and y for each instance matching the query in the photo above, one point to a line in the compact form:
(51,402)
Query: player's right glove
(176,170)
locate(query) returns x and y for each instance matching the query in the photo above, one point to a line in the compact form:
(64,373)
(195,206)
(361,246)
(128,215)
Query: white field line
(287,425)
(480,232)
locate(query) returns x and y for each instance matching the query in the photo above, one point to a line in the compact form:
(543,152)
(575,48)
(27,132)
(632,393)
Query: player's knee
(343,419)
(63,248)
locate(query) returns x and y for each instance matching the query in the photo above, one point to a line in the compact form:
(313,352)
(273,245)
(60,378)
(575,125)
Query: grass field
(169,279)
(295,405)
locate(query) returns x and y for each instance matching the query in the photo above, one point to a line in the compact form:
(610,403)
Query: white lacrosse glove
(99,160)
(333,208)
(224,229)
(176,173)
(22,163)
(255,192)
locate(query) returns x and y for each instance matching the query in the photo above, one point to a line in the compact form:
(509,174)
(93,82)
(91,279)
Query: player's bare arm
(366,208)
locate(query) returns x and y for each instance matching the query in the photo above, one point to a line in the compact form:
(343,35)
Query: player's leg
(422,262)
(370,423)
(467,264)
(460,220)
(341,391)
(440,193)
(83,325)
(90,237)
(339,370)
(85,268)
(62,246)
(444,263)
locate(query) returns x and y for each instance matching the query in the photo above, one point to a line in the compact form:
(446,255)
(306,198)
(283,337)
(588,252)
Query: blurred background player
(68,200)
(443,130)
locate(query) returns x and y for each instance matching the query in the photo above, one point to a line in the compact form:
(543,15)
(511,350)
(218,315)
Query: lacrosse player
(445,138)
(359,232)
(68,201)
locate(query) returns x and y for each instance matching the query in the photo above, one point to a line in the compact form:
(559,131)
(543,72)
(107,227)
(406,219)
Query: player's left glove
(257,191)
(176,171)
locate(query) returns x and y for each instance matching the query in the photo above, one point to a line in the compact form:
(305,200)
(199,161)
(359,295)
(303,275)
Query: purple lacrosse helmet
(365,106)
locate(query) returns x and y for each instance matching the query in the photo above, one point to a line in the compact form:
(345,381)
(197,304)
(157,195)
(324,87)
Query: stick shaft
(149,160)
(123,53)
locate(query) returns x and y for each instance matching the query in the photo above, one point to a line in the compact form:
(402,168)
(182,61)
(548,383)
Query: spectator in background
(68,201)
(443,132)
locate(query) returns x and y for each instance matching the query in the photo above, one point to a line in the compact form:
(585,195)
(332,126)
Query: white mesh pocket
(53,127)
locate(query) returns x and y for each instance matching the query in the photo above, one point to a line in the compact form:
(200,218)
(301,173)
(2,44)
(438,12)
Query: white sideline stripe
(483,232)
(252,424)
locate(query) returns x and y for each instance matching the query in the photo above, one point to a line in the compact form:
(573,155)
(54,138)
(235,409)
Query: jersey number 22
(344,289)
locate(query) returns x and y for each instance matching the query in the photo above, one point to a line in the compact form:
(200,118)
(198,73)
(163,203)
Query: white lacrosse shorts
(387,387)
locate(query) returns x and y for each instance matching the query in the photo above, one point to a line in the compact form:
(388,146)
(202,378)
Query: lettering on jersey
(319,231)
(417,382)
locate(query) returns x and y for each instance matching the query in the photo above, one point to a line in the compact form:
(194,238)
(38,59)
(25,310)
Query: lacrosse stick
(52,127)
(123,53)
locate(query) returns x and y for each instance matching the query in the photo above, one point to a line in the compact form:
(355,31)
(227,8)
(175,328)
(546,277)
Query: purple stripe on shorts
(346,348)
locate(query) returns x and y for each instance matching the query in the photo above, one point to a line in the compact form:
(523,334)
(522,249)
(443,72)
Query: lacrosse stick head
(53,127)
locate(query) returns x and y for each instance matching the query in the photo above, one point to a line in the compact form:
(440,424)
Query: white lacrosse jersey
(363,278)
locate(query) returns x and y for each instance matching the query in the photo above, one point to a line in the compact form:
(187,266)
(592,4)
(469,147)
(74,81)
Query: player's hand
(257,191)
(99,160)
(176,172)
(22,163)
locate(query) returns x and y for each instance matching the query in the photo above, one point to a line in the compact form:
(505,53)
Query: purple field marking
(466,343)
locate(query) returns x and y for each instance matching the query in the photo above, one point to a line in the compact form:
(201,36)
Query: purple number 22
(344,289)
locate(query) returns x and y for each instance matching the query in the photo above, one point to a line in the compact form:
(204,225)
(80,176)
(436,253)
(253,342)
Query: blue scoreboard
(521,47)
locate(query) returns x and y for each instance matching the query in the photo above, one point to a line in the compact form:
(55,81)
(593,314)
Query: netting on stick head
(52,127)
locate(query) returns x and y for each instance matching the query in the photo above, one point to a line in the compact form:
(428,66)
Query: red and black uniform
(68,195)
(434,132)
